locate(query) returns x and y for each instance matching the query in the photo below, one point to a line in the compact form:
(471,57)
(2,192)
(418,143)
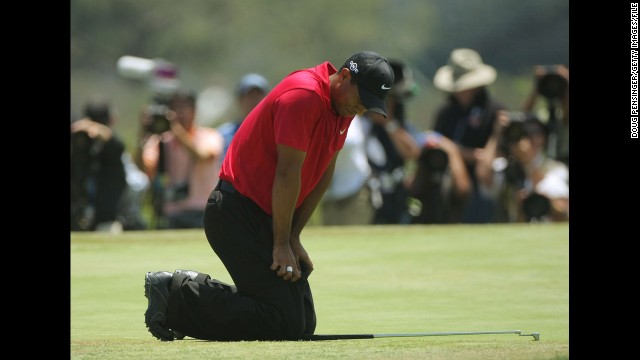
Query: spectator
(540,184)
(441,183)
(252,88)
(134,195)
(98,177)
(347,200)
(276,171)
(183,163)
(390,143)
(552,83)
(467,118)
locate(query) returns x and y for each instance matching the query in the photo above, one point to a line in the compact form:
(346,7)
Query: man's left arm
(306,209)
(202,150)
(302,215)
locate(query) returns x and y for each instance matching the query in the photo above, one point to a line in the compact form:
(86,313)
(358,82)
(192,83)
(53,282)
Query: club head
(536,335)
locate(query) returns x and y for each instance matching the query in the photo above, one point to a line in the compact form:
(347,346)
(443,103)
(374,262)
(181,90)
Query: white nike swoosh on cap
(384,87)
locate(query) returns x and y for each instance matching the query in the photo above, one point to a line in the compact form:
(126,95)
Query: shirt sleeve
(295,114)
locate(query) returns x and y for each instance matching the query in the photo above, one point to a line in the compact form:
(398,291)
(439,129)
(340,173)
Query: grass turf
(372,279)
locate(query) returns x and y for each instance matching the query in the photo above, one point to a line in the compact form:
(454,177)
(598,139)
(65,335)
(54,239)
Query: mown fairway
(375,279)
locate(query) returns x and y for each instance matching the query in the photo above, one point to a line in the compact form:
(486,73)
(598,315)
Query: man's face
(345,99)
(465,97)
(185,113)
(250,99)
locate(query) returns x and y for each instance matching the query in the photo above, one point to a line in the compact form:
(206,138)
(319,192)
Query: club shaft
(449,333)
(536,336)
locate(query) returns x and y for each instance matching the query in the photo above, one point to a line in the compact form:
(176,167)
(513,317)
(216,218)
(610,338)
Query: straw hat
(464,70)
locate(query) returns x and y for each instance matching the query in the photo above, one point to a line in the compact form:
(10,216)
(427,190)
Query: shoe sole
(154,328)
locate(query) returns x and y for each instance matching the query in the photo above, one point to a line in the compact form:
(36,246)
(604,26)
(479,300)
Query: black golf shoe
(192,274)
(156,289)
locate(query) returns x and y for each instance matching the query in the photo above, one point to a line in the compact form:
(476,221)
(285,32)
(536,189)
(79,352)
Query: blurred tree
(214,42)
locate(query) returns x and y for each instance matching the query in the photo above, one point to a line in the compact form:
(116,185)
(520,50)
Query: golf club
(536,335)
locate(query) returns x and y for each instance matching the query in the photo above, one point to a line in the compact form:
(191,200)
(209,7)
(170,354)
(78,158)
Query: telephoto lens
(552,85)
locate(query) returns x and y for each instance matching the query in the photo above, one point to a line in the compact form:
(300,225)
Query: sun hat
(375,79)
(464,70)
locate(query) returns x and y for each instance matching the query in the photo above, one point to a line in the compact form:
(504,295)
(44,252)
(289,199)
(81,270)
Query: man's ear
(345,74)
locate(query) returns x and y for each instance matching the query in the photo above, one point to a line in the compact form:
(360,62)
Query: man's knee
(201,278)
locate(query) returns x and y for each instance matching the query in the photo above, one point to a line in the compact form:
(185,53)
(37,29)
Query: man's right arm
(285,192)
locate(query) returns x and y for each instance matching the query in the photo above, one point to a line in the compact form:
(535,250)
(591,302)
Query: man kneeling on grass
(276,170)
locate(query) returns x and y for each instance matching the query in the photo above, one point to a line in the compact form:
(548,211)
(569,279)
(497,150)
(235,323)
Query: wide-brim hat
(464,70)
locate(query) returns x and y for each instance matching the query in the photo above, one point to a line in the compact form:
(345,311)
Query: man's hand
(301,255)
(94,130)
(282,258)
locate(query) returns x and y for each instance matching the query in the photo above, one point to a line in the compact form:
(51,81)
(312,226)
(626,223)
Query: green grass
(372,279)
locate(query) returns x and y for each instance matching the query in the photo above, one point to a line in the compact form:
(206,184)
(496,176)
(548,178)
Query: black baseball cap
(375,79)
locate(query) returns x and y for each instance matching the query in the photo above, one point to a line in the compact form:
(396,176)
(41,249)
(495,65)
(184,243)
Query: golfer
(276,170)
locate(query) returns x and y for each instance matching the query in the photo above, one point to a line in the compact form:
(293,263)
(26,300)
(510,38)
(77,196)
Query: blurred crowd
(480,163)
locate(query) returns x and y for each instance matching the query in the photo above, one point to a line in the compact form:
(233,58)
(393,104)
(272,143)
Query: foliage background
(214,42)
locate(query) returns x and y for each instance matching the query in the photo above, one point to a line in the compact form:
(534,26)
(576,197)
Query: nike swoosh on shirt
(342,131)
(384,87)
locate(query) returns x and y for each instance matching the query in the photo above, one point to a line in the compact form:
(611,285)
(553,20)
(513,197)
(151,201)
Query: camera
(161,77)
(159,123)
(551,84)
(536,206)
(522,124)
(514,172)
(434,159)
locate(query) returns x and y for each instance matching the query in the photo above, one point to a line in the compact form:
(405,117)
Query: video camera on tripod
(162,79)
(552,83)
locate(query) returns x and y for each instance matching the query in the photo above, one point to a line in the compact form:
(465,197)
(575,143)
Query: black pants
(264,307)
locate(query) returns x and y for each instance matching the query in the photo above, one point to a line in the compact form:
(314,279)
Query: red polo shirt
(297,113)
